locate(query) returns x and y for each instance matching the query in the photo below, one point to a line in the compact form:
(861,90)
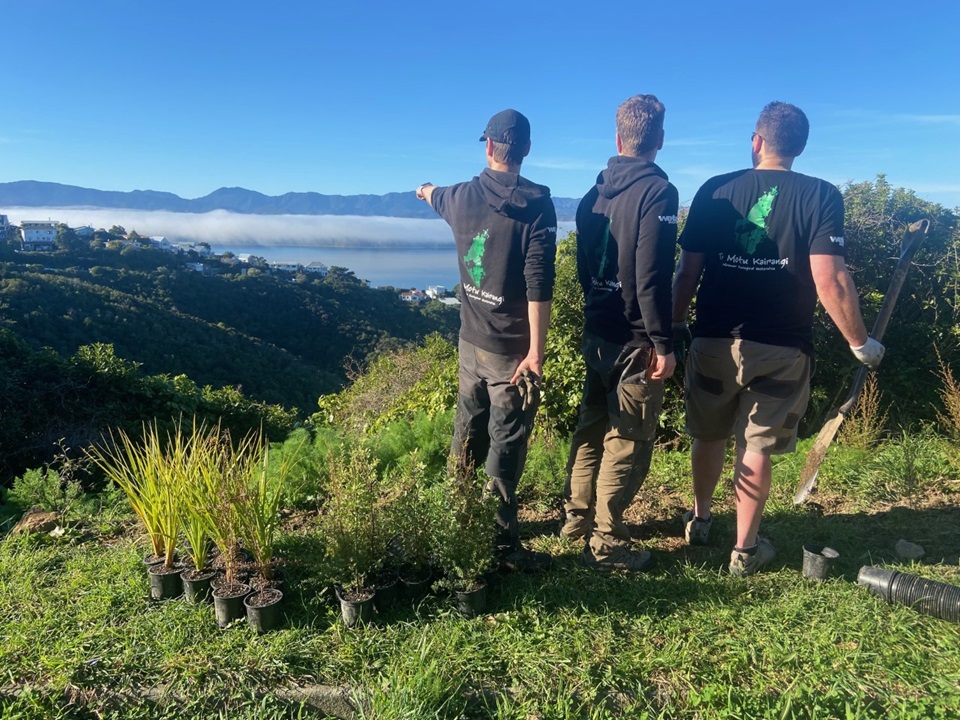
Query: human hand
(661,367)
(870,353)
(528,384)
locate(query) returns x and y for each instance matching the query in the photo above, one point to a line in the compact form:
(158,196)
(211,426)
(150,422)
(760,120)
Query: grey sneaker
(695,530)
(742,564)
(621,558)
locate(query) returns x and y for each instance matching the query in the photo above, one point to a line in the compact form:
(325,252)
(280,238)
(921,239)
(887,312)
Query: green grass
(79,638)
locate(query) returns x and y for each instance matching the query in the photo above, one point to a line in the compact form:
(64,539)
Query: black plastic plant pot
(263,610)
(472,601)
(355,607)
(165,582)
(817,560)
(416,586)
(386,590)
(197,585)
(228,602)
(937,599)
(149,560)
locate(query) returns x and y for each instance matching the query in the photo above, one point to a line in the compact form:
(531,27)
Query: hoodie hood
(623,171)
(510,194)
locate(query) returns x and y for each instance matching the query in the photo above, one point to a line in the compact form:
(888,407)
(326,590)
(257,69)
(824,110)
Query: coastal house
(288,266)
(39,235)
(158,242)
(413,296)
(436,291)
(318,268)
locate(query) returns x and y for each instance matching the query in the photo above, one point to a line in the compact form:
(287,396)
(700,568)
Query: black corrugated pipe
(929,597)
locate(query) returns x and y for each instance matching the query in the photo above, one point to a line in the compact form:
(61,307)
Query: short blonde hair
(640,124)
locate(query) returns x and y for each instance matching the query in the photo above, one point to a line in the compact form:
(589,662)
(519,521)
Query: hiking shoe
(526,561)
(695,530)
(573,530)
(620,558)
(743,563)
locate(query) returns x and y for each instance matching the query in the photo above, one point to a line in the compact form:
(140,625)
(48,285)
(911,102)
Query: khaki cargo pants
(613,444)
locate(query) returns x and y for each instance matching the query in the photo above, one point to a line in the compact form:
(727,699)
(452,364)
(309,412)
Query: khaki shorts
(753,391)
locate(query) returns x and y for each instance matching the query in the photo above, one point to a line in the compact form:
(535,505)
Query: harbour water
(398,267)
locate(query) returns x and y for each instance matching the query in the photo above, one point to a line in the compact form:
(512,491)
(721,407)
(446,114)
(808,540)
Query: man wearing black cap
(505,229)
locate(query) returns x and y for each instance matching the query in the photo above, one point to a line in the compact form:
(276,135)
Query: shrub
(353,520)
(949,417)
(463,528)
(865,425)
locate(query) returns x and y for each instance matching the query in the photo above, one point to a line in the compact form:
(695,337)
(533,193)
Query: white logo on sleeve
(837,240)
(668,219)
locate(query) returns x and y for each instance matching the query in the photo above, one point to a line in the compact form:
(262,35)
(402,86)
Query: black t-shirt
(757,230)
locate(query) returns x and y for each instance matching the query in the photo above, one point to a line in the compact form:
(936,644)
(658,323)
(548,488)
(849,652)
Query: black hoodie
(626,244)
(505,228)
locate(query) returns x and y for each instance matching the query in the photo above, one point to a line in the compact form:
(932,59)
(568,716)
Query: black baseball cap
(509,127)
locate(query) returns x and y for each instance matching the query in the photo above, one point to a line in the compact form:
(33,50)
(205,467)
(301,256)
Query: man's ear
(489,147)
(526,150)
(660,144)
(619,145)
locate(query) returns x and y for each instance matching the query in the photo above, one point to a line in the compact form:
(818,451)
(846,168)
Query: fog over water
(403,252)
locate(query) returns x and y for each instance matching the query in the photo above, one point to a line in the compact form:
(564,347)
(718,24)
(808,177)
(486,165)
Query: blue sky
(374,97)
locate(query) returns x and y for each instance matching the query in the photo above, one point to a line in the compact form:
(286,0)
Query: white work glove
(870,353)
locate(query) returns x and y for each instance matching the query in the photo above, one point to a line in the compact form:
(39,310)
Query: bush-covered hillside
(282,338)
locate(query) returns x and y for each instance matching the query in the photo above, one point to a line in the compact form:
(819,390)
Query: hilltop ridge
(33,193)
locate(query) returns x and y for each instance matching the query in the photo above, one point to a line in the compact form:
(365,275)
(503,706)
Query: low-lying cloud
(221,227)
(224,228)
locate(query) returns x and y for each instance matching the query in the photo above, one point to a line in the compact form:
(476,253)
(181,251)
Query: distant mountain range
(30,193)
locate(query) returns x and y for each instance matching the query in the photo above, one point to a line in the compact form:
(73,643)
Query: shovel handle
(912,239)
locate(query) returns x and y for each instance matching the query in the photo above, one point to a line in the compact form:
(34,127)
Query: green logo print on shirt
(751,231)
(474,258)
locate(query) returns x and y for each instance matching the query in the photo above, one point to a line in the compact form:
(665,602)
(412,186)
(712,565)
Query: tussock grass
(79,638)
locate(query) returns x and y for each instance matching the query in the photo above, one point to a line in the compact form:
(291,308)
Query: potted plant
(147,476)
(215,499)
(353,531)
(258,513)
(198,575)
(463,539)
(411,519)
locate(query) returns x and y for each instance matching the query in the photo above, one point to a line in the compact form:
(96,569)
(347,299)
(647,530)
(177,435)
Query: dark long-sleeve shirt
(626,247)
(505,229)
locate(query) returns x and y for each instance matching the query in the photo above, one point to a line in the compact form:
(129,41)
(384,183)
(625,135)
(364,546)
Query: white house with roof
(39,234)
(436,291)
(288,266)
(318,268)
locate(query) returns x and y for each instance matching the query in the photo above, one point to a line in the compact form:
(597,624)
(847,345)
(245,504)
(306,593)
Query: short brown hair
(508,153)
(784,127)
(640,124)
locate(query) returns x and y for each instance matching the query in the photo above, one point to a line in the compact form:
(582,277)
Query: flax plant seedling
(143,473)
(190,452)
(213,494)
(264,489)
